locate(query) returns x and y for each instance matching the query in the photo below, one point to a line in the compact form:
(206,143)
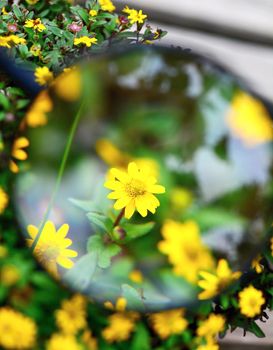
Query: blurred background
(238,34)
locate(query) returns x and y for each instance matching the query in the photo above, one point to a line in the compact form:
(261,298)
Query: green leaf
(99,221)
(105,256)
(80,276)
(105,252)
(141,339)
(17,12)
(87,206)
(95,243)
(133,297)
(255,329)
(136,231)
(4,102)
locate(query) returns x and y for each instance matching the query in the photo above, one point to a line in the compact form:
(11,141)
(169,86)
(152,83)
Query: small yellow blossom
(214,283)
(18,152)
(107,5)
(250,301)
(181,199)
(3,251)
(37,113)
(9,275)
(4,200)
(51,248)
(169,322)
(4,12)
(111,155)
(35,50)
(134,190)
(211,345)
(85,40)
(71,318)
(32,2)
(43,75)
(88,339)
(256,264)
(16,330)
(136,276)
(8,41)
(35,24)
(121,325)
(63,341)
(68,85)
(93,13)
(120,306)
(4,41)
(15,39)
(210,327)
(183,245)
(249,120)
(135,16)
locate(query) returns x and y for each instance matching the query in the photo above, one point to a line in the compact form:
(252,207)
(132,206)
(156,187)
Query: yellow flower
(134,190)
(121,325)
(181,198)
(3,251)
(9,275)
(68,85)
(256,264)
(4,200)
(17,40)
(107,5)
(167,323)
(43,75)
(18,152)
(211,345)
(35,50)
(4,12)
(251,301)
(35,24)
(52,245)
(249,120)
(63,341)
(85,40)
(37,114)
(136,276)
(4,41)
(120,306)
(16,330)
(210,327)
(135,16)
(93,13)
(214,283)
(71,318)
(111,155)
(183,245)
(89,340)
(32,2)
(7,41)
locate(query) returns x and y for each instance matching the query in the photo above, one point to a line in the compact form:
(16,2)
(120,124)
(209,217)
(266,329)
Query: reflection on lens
(148,178)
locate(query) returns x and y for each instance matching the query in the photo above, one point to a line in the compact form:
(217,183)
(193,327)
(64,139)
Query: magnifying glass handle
(22,77)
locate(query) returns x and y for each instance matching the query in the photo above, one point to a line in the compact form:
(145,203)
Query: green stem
(60,173)
(120,216)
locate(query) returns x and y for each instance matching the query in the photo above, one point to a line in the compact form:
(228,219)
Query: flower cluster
(36,312)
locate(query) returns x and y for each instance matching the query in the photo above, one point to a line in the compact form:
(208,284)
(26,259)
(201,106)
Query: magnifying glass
(149,177)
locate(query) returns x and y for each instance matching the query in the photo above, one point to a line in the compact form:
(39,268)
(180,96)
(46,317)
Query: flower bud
(119,233)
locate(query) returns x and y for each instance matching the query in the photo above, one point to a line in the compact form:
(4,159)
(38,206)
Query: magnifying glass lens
(148,173)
